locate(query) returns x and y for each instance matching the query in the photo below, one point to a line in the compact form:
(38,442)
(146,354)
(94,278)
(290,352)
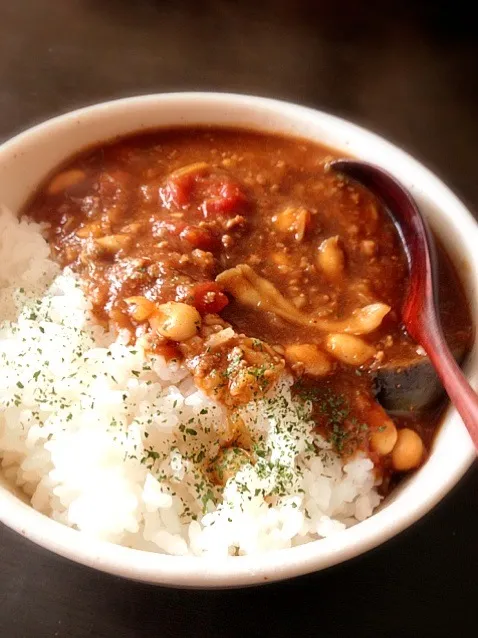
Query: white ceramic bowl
(28,158)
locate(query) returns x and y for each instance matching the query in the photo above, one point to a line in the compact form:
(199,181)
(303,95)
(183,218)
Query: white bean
(315,362)
(140,308)
(408,451)
(384,438)
(293,220)
(65,180)
(176,321)
(349,349)
(330,258)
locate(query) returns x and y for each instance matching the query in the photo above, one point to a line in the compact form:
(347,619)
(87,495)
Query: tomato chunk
(180,186)
(199,237)
(196,236)
(224,198)
(167,350)
(209,298)
(212,194)
(177,192)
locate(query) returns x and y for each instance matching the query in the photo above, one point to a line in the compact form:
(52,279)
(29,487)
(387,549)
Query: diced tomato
(180,187)
(167,350)
(224,197)
(198,237)
(212,194)
(177,192)
(209,298)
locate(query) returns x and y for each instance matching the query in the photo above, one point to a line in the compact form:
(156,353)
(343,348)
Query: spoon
(419,311)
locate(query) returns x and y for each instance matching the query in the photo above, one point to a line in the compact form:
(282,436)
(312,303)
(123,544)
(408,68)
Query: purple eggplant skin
(411,388)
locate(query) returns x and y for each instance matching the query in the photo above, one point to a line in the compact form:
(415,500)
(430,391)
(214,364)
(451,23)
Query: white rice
(113,443)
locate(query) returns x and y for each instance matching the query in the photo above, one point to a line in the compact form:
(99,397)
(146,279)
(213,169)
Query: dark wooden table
(410,73)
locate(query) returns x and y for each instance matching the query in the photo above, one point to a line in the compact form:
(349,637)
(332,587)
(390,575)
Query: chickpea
(295,220)
(176,321)
(383,431)
(384,438)
(284,221)
(315,362)
(349,349)
(65,180)
(407,453)
(330,258)
(140,308)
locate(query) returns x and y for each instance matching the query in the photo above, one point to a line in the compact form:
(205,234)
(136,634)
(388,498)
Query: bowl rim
(278,564)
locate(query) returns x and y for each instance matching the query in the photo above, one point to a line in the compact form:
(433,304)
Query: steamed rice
(112,442)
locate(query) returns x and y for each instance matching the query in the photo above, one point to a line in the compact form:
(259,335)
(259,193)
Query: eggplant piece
(411,386)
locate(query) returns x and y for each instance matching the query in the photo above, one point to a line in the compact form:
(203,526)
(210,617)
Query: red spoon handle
(420,309)
(454,381)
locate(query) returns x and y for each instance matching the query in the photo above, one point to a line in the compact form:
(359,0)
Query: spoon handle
(454,381)
(420,310)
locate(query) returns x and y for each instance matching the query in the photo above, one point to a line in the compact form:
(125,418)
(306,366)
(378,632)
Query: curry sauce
(242,254)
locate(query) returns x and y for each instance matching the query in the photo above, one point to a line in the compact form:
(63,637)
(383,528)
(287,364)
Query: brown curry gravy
(174,230)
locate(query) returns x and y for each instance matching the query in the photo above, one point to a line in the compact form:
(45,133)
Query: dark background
(408,70)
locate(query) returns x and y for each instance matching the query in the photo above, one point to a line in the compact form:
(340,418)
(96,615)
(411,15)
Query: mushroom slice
(360,322)
(249,289)
(256,292)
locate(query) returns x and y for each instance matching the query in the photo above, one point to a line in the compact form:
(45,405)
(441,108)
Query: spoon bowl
(420,307)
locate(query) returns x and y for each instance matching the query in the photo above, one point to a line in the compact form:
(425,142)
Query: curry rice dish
(201,345)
